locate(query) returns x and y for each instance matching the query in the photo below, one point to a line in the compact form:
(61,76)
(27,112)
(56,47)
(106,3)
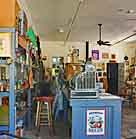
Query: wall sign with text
(95,122)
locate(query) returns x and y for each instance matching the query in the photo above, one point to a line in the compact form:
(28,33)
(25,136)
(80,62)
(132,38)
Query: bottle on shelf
(1,87)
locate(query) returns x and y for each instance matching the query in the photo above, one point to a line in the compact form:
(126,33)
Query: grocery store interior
(68,69)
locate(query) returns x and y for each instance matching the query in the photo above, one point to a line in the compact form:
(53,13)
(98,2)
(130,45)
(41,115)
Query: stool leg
(37,113)
(38,123)
(50,124)
(44,116)
(65,116)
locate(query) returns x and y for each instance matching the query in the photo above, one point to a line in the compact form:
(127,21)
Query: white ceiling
(49,15)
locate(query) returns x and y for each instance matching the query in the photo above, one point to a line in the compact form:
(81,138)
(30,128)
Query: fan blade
(106,42)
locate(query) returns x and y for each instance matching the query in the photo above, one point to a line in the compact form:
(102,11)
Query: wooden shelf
(9,10)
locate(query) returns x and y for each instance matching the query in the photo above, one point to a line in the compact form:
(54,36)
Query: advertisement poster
(95,54)
(95,122)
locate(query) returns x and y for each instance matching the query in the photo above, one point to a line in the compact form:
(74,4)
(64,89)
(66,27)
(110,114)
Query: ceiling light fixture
(130,12)
(123,11)
(60,30)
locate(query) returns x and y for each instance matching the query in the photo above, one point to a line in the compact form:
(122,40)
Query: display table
(98,118)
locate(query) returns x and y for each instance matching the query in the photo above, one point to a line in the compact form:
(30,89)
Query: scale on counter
(84,84)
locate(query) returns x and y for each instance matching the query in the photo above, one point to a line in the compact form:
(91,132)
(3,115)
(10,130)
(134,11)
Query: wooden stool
(44,113)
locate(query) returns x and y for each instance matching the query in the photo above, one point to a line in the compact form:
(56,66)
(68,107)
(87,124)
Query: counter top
(104,100)
(101,96)
(108,96)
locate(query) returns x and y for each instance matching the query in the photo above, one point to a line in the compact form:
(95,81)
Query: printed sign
(95,122)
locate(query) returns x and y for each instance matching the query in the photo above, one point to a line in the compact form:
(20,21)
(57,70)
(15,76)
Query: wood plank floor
(62,131)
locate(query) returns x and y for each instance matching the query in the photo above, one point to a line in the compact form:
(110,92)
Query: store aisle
(129,123)
(62,131)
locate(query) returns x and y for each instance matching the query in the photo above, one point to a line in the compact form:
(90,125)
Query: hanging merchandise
(17,56)
(27,53)
(27,58)
(22,67)
(17,52)
(30,78)
(30,34)
(16,46)
(22,23)
(30,51)
(38,47)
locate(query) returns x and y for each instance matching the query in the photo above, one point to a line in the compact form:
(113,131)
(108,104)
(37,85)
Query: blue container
(96,118)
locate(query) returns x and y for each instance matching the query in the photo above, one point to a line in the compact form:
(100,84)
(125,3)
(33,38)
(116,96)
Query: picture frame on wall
(132,60)
(113,56)
(95,54)
(103,66)
(105,55)
(99,65)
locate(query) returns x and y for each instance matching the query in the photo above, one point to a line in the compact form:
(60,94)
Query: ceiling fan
(100,42)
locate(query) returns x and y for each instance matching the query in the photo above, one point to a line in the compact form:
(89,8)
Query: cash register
(84,83)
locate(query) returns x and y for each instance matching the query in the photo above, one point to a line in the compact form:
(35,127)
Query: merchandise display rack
(11,94)
(15,91)
(19,62)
